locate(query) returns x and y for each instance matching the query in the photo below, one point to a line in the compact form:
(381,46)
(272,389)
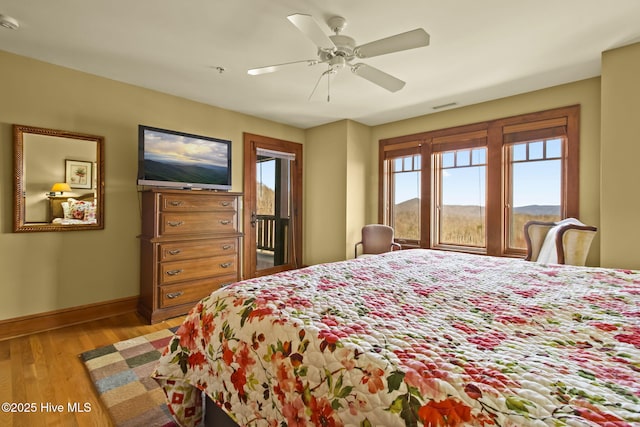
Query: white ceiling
(480,50)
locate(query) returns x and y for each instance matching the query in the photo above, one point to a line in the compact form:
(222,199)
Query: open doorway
(273,205)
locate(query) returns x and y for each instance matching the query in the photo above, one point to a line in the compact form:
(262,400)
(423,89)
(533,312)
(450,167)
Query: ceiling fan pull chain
(315,87)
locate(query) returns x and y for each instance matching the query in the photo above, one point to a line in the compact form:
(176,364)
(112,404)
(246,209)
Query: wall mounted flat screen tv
(169,158)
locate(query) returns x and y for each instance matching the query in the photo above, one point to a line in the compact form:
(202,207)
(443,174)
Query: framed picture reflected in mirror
(78,173)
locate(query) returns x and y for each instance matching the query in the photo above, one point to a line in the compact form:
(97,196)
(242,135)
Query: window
(472,188)
(405,190)
(534,190)
(460,201)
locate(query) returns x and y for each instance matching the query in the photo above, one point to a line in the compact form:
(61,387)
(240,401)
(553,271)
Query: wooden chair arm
(356,249)
(570,235)
(534,234)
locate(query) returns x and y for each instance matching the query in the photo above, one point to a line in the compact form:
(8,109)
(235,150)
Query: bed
(72,210)
(411,338)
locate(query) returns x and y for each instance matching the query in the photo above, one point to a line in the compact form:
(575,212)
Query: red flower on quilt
(633,338)
(329,321)
(196,359)
(260,313)
(533,311)
(488,341)
(448,412)
(326,285)
(373,379)
(331,337)
(421,380)
(227,354)
(488,376)
(604,326)
(527,293)
(322,413)
(592,413)
(465,328)
(424,290)
(239,380)
(188,333)
(243,356)
(207,327)
(298,303)
(511,319)
(284,373)
(267,295)
(294,412)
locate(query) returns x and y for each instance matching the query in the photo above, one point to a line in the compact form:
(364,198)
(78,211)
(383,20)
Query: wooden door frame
(251,143)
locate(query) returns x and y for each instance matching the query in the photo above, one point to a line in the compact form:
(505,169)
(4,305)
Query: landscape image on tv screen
(184,159)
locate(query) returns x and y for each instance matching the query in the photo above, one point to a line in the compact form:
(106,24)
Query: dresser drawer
(200,249)
(190,292)
(180,223)
(178,271)
(196,202)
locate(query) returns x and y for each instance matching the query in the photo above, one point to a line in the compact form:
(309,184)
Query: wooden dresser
(189,247)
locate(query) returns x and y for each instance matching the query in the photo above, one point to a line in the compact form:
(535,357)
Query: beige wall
(337,173)
(48,271)
(620,148)
(325,177)
(358,175)
(585,92)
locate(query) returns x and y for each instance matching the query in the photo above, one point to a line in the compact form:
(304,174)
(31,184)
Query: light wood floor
(42,371)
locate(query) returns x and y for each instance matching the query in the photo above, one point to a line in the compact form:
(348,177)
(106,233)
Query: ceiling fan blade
(375,76)
(272,68)
(312,30)
(404,41)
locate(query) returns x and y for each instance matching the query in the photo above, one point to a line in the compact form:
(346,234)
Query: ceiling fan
(338,51)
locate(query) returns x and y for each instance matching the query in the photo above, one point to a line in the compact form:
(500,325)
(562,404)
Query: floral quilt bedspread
(414,338)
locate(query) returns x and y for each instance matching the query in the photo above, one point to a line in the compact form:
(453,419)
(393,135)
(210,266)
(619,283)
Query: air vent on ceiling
(440,107)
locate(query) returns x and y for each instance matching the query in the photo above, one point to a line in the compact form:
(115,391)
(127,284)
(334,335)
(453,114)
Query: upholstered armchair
(563,242)
(376,239)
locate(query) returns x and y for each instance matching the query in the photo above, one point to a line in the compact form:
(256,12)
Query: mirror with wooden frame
(58,180)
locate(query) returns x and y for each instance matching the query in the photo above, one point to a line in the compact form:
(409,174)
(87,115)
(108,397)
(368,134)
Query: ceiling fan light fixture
(337,62)
(345,45)
(9,22)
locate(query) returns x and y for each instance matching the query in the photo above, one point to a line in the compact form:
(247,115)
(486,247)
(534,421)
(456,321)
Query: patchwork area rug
(120,373)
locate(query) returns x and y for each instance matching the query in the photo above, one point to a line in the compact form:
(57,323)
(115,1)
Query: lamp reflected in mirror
(59,187)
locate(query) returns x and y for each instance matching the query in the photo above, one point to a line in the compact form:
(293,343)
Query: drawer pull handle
(225,221)
(174,251)
(173,295)
(176,203)
(174,272)
(226,264)
(225,203)
(226,247)
(175,223)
